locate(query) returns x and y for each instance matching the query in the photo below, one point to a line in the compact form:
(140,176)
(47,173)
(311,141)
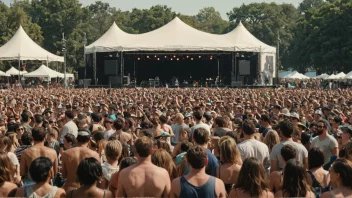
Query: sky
(187,7)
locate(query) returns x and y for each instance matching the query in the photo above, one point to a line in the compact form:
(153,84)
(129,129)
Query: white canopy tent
(322,76)
(22,47)
(44,72)
(284,73)
(296,75)
(2,74)
(14,72)
(340,75)
(348,75)
(331,77)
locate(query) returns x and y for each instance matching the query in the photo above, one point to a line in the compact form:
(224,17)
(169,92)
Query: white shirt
(253,148)
(301,152)
(108,133)
(69,128)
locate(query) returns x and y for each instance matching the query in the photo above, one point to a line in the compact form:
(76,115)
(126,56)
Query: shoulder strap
(315,183)
(71,193)
(104,194)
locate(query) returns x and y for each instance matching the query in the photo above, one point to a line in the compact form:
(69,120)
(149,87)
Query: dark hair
(265,118)
(89,171)
(287,128)
(288,152)
(40,168)
(201,136)
(83,138)
(26,138)
(144,146)
(295,183)
(70,138)
(38,134)
(126,162)
(198,115)
(38,118)
(163,119)
(96,117)
(220,121)
(99,135)
(315,158)
(119,124)
(25,117)
(145,125)
(338,120)
(207,117)
(248,127)
(196,157)
(233,135)
(251,178)
(69,114)
(186,145)
(344,168)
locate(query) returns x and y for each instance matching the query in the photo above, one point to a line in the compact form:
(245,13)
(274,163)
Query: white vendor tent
(14,72)
(348,75)
(331,77)
(178,36)
(44,71)
(296,75)
(284,73)
(4,74)
(340,75)
(322,76)
(22,47)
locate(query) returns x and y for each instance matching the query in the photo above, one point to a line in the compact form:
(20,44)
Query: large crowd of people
(203,142)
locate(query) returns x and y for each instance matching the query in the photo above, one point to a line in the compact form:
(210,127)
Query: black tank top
(207,190)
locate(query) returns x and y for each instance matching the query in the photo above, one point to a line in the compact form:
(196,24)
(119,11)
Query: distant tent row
(42,72)
(297,75)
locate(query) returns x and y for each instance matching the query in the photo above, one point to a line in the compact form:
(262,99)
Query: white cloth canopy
(340,75)
(4,74)
(332,76)
(296,75)
(284,73)
(14,72)
(178,36)
(43,71)
(322,76)
(348,75)
(22,47)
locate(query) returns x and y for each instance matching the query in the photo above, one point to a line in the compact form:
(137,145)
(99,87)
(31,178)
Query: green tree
(305,5)
(211,21)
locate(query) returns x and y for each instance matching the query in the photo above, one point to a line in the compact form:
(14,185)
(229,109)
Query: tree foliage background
(316,35)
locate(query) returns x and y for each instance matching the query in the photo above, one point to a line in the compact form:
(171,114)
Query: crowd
(204,142)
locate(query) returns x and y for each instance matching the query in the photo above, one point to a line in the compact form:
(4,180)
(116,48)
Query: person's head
(346,132)
(341,173)
(38,134)
(287,128)
(295,183)
(321,126)
(38,119)
(5,143)
(163,119)
(96,117)
(69,141)
(288,152)
(198,115)
(264,120)
(126,162)
(185,145)
(25,118)
(119,124)
(19,130)
(228,151)
(251,178)
(179,118)
(163,144)
(40,169)
(201,136)
(233,135)
(197,157)
(113,150)
(271,139)
(220,122)
(144,147)
(6,168)
(69,115)
(89,171)
(248,127)
(83,136)
(315,158)
(27,139)
(164,160)
(108,123)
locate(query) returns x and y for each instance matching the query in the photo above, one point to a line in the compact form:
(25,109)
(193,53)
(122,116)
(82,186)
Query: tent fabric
(4,74)
(43,71)
(296,75)
(284,73)
(322,76)
(348,75)
(22,47)
(178,36)
(14,72)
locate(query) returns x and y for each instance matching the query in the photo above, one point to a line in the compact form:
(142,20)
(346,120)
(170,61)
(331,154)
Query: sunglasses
(20,129)
(108,122)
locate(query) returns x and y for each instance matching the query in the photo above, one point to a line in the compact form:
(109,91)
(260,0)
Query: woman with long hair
(7,146)
(340,176)
(101,143)
(320,177)
(251,180)
(295,182)
(271,139)
(89,173)
(231,162)
(164,160)
(6,175)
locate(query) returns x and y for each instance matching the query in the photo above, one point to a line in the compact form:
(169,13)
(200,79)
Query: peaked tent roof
(178,36)
(4,74)
(23,47)
(322,76)
(243,40)
(43,71)
(296,75)
(13,71)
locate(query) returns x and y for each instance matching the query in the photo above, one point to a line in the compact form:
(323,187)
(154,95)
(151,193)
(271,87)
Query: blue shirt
(213,162)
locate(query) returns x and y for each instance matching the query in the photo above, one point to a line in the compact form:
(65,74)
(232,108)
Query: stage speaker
(115,81)
(244,67)
(111,67)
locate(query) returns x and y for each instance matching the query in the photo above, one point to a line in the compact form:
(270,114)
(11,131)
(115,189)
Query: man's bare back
(70,160)
(144,180)
(32,153)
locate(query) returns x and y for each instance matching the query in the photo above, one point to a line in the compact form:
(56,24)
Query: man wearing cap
(294,118)
(71,158)
(318,115)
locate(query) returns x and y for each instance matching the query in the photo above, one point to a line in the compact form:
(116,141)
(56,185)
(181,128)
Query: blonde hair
(271,139)
(14,140)
(228,151)
(164,160)
(113,150)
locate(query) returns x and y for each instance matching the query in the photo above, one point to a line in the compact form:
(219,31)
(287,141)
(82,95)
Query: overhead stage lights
(158,58)
(187,56)
(165,56)
(171,59)
(191,58)
(174,56)
(147,56)
(155,56)
(200,57)
(138,58)
(178,59)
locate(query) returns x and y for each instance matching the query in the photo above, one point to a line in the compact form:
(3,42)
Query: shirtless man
(121,136)
(144,179)
(71,158)
(38,150)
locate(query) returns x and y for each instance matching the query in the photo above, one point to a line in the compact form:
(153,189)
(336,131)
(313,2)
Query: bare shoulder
(20,192)
(219,182)
(108,193)
(269,194)
(326,195)
(278,193)
(60,192)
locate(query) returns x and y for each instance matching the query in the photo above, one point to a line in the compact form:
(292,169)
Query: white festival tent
(14,72)
(348,75)
(332,76)
(340,75)
(44,72)
(22,47)
(178,36)
(284,73)
(322,76)
(296,75)
(2,74)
